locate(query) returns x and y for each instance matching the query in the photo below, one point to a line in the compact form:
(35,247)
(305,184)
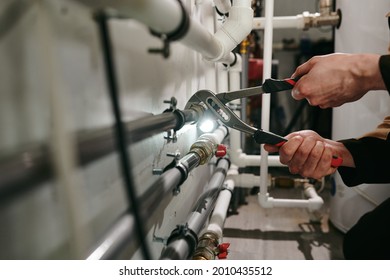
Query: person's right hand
(335,79)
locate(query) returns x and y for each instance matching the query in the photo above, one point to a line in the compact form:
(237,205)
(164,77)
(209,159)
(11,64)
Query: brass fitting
(204,148)
(319,19)
(207,247)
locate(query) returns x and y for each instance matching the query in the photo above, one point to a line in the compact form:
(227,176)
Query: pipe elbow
(265,200)
(315,203)
(235,29)
(314,200)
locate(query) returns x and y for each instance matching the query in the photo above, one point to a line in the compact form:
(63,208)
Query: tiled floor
(282,233)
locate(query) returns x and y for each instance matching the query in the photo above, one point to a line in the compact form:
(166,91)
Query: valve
(223,250)
(221,150)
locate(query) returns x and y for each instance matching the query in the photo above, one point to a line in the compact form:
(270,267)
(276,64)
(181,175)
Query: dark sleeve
(372,161)
(384,66)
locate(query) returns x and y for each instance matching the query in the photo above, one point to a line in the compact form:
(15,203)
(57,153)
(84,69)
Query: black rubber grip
(272,85)
(263,137)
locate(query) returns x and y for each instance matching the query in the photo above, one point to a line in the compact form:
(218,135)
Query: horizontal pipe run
(117,240)
(29,166)
(280,22)
(156,197)
(121,238)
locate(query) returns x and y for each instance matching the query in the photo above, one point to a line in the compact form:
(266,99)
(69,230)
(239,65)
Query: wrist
(368,72)
(340,150)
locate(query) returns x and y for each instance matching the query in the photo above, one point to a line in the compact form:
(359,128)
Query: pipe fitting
(237,26)
(319,19)
(207,146)
(207,247)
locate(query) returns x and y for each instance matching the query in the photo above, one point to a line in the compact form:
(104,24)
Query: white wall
(53,84)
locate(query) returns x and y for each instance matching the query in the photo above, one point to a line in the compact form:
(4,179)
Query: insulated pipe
(29,166)
(183,240)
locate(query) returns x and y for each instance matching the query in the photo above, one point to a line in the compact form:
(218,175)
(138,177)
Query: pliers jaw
(220,111)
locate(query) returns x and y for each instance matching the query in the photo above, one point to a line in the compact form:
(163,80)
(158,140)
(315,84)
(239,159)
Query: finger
(315,157)
(296,94)
(324,167)
(288,150)
(301,155)
(271,148)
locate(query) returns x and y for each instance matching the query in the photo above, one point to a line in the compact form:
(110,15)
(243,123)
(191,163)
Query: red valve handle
(221,150)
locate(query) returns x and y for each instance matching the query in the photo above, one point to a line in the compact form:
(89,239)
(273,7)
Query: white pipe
(313,203)
(245,180)
(165,17)
(208,19)
(223,6)
(217,219)
(236,28)
(222,78)
(266,100)
(235,76)
(281,22)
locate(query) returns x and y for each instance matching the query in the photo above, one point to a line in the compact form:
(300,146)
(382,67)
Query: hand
(310,155)
(335,79)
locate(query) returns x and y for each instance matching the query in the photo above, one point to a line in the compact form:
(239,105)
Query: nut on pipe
(207,247)
(204,148)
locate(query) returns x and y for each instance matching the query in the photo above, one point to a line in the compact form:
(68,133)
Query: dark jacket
(371,152)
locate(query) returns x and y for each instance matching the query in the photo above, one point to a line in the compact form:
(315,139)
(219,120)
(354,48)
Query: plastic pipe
(281,22)
(266,99)
(313,201)
(223,6)
(217,219)
(208,18)
(236,28)
(182,242)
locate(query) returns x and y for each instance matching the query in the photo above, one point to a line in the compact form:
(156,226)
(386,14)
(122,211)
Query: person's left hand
(308,154)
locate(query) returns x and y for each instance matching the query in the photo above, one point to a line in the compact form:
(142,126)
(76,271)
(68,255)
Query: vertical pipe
(265,109)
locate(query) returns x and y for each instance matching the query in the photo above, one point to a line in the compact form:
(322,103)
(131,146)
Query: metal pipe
(182,242)
(24,169)
(121,238)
